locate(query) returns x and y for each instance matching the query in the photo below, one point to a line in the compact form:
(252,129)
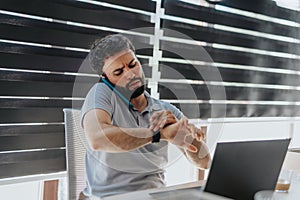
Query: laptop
(239,170)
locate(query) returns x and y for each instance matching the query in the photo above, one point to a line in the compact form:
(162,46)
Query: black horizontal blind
(255,47)
(42,46)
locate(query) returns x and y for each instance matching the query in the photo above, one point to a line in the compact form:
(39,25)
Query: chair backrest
(75,153)
(292,160)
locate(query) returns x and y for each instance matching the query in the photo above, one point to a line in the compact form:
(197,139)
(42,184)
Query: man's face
(124,70)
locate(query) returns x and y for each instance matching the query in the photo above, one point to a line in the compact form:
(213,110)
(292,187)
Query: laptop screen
(240,169)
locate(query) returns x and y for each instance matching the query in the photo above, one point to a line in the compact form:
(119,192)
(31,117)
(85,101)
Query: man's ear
(103,75)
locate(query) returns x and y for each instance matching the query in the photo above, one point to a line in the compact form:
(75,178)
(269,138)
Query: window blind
(253,45)
(42,46)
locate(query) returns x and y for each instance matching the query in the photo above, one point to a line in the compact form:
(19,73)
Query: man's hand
(179,134)
(186,136)
(201,158)
(161,119)
(196,133)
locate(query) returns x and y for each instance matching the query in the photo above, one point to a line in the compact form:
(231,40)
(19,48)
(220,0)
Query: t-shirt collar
(151,106)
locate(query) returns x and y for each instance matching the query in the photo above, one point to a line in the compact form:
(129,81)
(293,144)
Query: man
(127,130)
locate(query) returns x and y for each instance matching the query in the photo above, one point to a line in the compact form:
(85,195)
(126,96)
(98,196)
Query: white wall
(296,135)
(25,191)
(179,169)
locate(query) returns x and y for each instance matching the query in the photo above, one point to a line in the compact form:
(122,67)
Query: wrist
(169,132)
(155,135)
(162,134)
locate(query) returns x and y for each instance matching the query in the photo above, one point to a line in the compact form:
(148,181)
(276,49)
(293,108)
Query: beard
(125,91)
(131,94)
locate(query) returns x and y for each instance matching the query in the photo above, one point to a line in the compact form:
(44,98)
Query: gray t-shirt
(115,173)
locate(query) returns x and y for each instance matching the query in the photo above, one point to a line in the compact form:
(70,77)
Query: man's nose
(129,74)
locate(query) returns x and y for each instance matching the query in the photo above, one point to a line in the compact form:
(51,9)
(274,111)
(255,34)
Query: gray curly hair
(105,47)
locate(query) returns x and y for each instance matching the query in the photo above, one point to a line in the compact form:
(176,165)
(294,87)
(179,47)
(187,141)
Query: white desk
(293,194)
(145,194)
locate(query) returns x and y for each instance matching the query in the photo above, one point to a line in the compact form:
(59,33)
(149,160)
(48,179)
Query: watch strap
(156,136)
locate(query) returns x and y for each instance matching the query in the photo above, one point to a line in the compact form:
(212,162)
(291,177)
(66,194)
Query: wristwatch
(156,136)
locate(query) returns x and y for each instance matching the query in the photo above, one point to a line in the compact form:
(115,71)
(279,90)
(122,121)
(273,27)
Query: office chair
(75,153)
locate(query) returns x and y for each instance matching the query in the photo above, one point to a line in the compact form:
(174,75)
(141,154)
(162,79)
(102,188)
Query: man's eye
(119,72)
(132,65)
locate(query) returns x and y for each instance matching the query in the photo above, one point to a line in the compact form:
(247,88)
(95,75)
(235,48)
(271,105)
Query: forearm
(115,139)
(201,158)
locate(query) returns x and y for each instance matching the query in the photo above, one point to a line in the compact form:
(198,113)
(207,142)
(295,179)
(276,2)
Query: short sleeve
(167,106)
(178,114)
(99,97)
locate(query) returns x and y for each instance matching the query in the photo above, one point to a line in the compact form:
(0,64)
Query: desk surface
(293,194)
(145,194)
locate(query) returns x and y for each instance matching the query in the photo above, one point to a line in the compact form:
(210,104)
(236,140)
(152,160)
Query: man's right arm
(104,136)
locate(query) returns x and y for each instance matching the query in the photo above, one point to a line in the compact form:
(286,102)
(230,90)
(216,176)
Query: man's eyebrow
(132,61)
(123,66)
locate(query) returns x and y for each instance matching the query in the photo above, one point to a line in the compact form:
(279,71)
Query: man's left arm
(201,158)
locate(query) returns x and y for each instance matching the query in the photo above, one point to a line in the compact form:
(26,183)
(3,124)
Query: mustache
(132,80)
(130,94)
